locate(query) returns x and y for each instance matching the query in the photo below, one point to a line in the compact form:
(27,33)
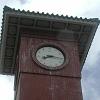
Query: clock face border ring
(54,45)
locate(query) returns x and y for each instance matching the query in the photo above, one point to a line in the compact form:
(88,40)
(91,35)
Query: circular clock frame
(54,45)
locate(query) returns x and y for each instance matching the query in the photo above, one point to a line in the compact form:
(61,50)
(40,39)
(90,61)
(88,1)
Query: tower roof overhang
(15,21)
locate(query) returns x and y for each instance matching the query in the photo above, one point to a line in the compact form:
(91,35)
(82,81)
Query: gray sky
(80,8)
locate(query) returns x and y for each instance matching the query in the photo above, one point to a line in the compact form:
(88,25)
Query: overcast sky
(80,8)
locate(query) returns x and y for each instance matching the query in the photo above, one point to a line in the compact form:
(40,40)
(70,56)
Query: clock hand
(47,56)
(51,56)
(57,57)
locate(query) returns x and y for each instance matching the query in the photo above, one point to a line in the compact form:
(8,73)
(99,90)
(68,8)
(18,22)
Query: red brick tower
(45,53)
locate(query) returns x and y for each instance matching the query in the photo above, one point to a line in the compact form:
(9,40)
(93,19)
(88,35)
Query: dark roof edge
(7,9)
(88,45)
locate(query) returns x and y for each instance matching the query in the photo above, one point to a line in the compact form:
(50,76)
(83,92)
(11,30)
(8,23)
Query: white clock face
(50,56)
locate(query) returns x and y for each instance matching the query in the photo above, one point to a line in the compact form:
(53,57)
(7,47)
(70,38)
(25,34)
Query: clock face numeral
(50,56)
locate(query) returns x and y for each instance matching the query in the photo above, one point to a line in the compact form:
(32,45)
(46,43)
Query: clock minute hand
(51,56)
(57,57)
(47,56)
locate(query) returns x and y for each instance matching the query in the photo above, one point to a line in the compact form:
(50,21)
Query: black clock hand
(51,56)
(57,57)
(47,56)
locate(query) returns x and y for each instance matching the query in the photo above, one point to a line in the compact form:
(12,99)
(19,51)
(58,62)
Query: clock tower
(46,53)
